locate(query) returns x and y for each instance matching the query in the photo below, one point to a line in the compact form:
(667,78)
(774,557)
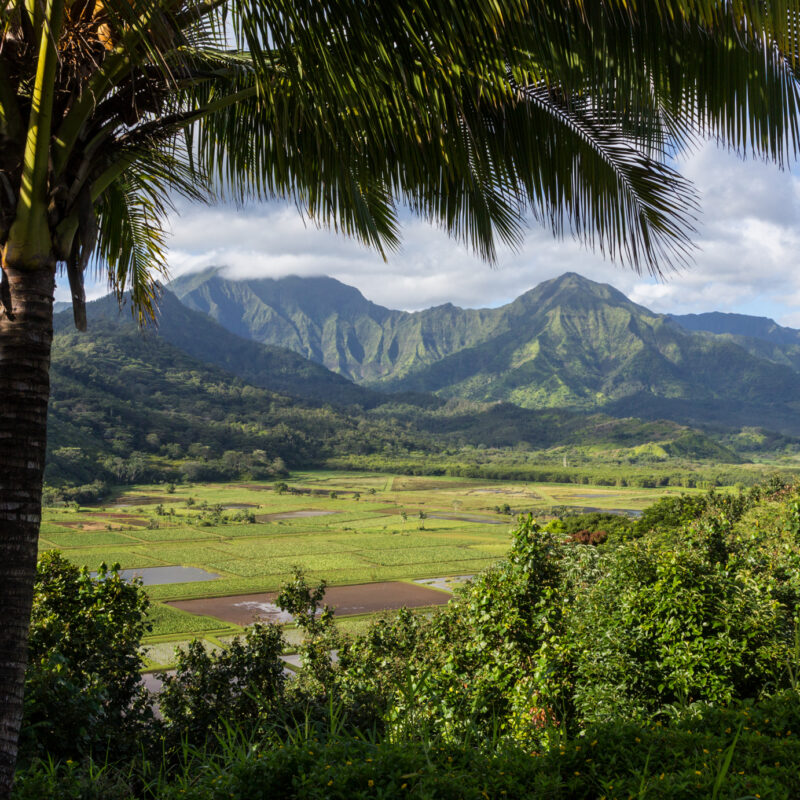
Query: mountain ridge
(752,327)
(569,342)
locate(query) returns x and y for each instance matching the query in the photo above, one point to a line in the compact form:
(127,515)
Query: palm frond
(133,213)
(473,114)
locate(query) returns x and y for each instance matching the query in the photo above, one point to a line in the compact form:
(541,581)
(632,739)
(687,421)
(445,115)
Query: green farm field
(343,527)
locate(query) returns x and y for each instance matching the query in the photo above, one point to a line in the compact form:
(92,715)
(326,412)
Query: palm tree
(475,115)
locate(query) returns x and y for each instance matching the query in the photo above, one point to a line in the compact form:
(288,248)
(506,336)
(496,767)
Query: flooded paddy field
(345,600)
(458,518)
(156,576)
(445,584)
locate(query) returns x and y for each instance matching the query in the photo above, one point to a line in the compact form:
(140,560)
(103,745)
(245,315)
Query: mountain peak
(572,280)
(572,290)
(316,295)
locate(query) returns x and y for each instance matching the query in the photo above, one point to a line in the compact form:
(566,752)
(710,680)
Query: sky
(747,259)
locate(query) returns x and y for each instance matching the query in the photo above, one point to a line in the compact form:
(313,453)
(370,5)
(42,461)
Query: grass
(128,558)
(733,754)
(168,621)
(81,539)
(420,555)
(176,534)
(159,655)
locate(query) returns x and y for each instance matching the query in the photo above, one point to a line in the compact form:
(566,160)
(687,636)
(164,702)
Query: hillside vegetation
(188,400)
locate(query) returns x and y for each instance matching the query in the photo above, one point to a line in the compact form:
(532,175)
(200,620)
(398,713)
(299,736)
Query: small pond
(466,518)
(625,512)
(153,576)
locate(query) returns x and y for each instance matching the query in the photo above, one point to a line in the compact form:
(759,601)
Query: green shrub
(614,525)
(82,689)
(675,621)
(239,685)
(562,636)
(750,750)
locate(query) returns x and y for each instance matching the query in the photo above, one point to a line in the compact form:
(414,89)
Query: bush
(613,525)
(674,624)
(568,636)
(82,689)
(748,751)
(240,685)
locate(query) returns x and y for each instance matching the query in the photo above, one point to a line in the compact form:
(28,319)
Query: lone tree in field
(475,115)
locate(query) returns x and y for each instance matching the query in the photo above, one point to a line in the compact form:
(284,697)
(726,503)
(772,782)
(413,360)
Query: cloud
(748,238)
(430,268)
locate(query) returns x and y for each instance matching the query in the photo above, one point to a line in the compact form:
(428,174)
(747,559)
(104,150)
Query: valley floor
(343,527)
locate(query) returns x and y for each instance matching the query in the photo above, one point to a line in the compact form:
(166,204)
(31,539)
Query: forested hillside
(128,406)
(197,335)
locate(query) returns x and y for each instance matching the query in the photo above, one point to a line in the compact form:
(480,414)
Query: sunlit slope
(572,342)
(334,324)
(760,336)
(567,343)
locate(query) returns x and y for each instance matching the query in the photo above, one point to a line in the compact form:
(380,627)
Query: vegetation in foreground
(657,662)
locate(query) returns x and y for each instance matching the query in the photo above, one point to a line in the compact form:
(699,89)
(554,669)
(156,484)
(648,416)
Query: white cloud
(749,240)
(430,268)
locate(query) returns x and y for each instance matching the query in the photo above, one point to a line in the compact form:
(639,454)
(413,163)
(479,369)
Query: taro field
(201,541)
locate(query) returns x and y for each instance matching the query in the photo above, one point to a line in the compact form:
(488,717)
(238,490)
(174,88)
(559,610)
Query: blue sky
(747,262)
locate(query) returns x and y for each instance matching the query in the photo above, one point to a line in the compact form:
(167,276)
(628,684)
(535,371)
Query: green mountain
(574,343)
(189,399)
(742,325)
(334,324)
(196,335)
(760,336)
(567,343)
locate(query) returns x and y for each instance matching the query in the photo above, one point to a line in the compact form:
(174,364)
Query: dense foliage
(239,684)
(661,662)
(611,468)
(82,686)
(128,407)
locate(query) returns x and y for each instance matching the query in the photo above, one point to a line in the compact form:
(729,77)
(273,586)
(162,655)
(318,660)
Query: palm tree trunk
(26,334)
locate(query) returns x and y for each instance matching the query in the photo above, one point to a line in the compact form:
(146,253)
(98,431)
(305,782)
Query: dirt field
(366,598)
(141,500)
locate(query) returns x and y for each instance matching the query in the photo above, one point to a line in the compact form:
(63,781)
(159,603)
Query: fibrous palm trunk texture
(26,333)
